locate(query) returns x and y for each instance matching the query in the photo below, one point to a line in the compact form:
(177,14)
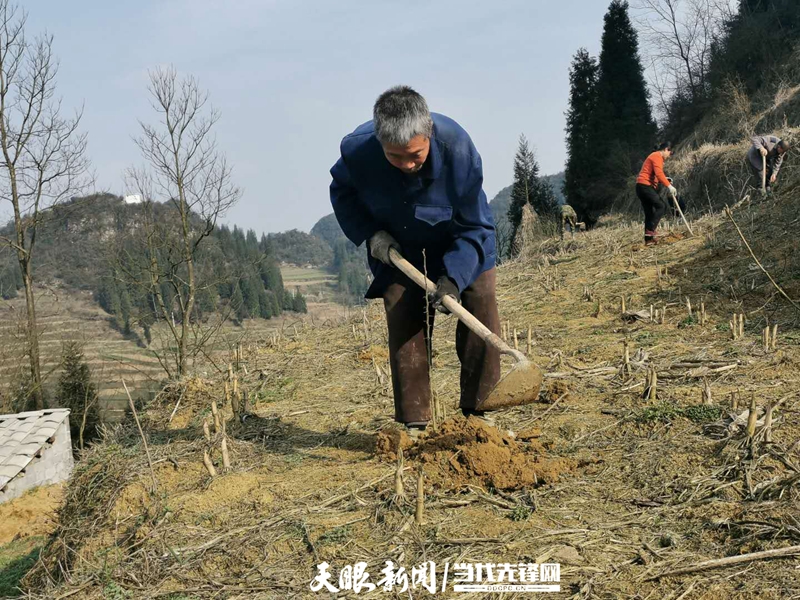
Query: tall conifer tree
(624,130)
(528,188)
(581,157)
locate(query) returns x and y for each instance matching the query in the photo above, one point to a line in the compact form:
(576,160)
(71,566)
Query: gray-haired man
(411,179)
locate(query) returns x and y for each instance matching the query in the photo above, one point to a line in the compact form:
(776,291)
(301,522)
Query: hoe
(520,385)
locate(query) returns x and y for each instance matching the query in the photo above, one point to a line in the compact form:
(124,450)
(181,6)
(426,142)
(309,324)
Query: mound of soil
(468,452)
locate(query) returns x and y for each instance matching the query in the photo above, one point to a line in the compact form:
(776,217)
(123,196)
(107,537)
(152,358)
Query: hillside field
(623,490)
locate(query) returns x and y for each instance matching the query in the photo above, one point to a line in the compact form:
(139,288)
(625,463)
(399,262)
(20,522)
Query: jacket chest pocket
(432,215)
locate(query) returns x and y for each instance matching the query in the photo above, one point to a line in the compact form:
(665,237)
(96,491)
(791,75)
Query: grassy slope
(652,490)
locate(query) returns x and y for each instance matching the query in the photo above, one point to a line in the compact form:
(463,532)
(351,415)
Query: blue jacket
(442,209)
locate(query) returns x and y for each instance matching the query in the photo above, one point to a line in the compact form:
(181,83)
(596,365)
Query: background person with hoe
(647,184)
(767,151)
(412,180)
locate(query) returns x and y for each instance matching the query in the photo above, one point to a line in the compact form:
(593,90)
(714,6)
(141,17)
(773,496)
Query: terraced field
(66,316)
(73,317)
(315,283)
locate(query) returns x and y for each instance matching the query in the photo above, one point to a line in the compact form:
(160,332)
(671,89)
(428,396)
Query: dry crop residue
(468,452)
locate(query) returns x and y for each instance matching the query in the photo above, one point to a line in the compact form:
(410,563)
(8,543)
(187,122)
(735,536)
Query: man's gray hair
(401,114)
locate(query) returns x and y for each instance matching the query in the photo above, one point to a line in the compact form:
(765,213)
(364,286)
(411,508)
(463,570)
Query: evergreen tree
(125,311)
(287,302)
(264,304)
(250,296)
(528,188)
(275,305)
(206,302)
(237,303)
(623,130)
(77,392)
(271,274)
(115,306)
(581,156)
(299,303)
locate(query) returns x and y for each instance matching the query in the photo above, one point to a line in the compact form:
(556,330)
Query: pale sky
(292,77)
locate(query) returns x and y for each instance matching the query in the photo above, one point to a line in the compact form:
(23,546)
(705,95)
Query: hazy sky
(292,77)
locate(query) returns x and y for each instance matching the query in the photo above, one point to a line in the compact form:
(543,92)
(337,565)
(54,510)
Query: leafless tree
(185,168)
(43,158)
(679,36)
(503,237)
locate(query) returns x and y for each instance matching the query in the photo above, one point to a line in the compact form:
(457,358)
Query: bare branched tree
(679,36)
(43,158)
(185,168)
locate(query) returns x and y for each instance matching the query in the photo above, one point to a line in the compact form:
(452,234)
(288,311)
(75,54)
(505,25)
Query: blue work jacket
(441,210)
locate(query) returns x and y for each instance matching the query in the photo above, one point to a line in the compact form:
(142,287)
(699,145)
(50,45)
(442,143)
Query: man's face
(667,152)
(411,157)
(781,150)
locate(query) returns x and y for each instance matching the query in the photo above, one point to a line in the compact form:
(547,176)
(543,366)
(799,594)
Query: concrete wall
(53,466)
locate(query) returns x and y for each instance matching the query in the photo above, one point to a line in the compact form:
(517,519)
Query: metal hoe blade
(519,386)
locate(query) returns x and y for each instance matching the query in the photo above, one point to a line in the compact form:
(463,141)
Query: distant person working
(568,217)
(650,179)
(774,150)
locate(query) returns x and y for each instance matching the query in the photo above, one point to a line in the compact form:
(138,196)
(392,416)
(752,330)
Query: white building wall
(53,466)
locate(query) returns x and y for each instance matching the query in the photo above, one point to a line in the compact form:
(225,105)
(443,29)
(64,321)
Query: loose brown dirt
(466,452)
(31,514)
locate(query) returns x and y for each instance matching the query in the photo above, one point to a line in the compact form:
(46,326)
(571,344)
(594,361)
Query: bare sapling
(185,170)
(43,160)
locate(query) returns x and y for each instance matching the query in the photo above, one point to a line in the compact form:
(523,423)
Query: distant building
(35,449)
(133,199)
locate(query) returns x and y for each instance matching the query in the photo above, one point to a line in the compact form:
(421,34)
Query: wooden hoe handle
(453,306)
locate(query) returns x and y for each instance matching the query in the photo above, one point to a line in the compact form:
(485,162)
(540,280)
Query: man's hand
(444,287)
(763,151)
(673,191)
(379,245)
(773,179)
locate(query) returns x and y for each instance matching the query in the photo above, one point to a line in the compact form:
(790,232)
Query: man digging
(569,217)
(769,151)
(412,180)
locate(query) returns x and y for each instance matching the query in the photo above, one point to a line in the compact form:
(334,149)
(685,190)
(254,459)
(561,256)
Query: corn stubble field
(646,460)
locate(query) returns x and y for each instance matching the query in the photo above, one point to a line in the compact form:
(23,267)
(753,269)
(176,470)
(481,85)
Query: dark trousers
(757,174)
(568,220)
(654,207)
(409,345)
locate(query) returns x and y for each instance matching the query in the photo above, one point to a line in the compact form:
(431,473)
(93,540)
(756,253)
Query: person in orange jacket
(647,185)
